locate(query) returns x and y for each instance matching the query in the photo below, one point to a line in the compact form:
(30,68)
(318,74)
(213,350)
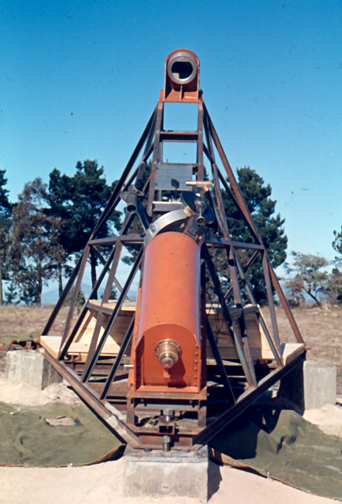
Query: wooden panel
(259,346)
(290,351)
(258,342)
(52,344)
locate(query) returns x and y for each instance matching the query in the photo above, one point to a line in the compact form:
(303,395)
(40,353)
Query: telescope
(173,368)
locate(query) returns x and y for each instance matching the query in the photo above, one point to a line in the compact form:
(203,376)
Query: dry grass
(23,322)
(321,329)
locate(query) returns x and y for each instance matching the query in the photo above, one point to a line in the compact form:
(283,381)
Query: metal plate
(166,172)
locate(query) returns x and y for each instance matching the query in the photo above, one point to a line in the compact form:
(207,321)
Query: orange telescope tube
(167,343)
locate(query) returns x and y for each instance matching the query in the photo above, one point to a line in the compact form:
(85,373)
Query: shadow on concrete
(214,478)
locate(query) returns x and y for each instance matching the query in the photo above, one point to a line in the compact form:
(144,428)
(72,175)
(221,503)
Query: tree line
(46,230)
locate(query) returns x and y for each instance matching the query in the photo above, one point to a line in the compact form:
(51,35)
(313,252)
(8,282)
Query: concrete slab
(310,385)
(319,383)
(173,473)
(30,367)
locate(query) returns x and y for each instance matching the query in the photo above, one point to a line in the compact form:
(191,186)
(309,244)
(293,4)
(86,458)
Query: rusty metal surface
(181,84)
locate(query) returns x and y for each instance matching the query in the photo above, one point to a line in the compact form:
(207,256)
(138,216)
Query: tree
(80,297)
(79,202)
(5,224)
(34,246)
(60,206)
(11,295)
(269,225)
(308,276)
(335,280)
(334,287)
(337,245)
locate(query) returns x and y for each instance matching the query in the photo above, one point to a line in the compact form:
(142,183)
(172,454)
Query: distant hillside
(51,296)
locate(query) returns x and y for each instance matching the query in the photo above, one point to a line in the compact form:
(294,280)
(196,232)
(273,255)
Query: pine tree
(11,295)
(60,206)
(90,194)
(34,247)
(269,225)
(79,201)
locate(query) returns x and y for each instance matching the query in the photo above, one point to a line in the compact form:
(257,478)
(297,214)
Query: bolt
(168,414)
(166,443)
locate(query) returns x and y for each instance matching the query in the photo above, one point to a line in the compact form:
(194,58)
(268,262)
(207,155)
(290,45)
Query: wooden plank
(258,342)
(290,351)
(52,344)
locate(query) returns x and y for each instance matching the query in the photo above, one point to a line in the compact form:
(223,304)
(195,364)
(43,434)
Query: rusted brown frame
(99,317)
(250,295)
(91,399)
(218,242)
(257,248)
(62,298)
(156,155)
(222,370)
(211,338)
(75,294)
(64,348)
(118,359)
(245,211)
(285,305)
(233,198)
(112,318)
(271,302)
(115,196)
(249,372)
(231,256)
(216,211)
(243,402)
(112,202)
(252,299)
(231,259)
(238,301)
(67,342)
(252,260)
(139,171)
(230,174)
(103,260)
(242,273)
(275,350)
(200,167)
(222,221)
(131,239)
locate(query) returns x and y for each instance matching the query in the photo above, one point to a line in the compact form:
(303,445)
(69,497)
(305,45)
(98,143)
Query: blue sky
(80,79)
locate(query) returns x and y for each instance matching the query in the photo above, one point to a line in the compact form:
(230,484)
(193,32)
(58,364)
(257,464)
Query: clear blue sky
(80,79)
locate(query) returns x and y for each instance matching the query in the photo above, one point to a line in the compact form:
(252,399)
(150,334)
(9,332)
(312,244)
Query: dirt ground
(321,331)
(102,483)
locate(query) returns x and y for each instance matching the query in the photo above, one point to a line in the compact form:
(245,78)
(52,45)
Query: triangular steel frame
(96,387)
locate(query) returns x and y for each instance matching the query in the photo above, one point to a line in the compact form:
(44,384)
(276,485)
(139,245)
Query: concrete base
(319,384)
(30,367)
(158,473)
(310,385)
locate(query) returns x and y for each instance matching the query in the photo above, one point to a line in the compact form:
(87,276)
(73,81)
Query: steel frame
(102,382)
